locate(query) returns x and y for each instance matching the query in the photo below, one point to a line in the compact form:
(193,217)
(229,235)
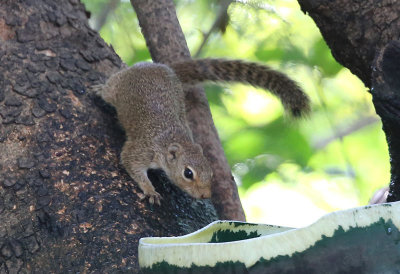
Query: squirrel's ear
(199,148)
(174,150)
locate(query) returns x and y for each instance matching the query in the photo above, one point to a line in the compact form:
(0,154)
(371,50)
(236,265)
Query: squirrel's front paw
(154,197)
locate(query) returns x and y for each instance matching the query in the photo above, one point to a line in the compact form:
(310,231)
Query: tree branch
(167,44)
(66,204)
(354,31)
(220,19)
(386,98)
(103,14)
(344,131)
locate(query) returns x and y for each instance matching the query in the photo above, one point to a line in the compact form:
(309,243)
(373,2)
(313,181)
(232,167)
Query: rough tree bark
(363,36)
(66,205)
(167,44)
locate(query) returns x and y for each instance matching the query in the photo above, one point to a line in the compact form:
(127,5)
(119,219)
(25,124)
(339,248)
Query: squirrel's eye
(188,173)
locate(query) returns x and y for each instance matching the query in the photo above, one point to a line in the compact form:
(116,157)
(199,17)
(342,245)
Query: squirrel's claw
(154,197)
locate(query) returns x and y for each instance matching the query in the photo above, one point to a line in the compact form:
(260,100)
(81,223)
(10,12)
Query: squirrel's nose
(205,195)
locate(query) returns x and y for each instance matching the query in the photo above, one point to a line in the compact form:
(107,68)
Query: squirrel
(149,100)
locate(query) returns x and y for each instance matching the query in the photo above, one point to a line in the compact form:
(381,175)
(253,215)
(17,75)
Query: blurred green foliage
(335,158)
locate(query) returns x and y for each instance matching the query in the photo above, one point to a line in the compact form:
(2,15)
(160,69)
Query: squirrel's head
(190,170)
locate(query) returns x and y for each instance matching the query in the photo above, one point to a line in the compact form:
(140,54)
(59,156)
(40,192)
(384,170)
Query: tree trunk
(167,44)
(66,204)
(363,36)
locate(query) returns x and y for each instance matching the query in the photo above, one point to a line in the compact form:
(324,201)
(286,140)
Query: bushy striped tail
(295,101)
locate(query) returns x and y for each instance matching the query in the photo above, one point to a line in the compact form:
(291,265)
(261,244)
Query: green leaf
(320,56)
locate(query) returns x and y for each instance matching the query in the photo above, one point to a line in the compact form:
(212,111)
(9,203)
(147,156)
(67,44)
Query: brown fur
(150,104)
